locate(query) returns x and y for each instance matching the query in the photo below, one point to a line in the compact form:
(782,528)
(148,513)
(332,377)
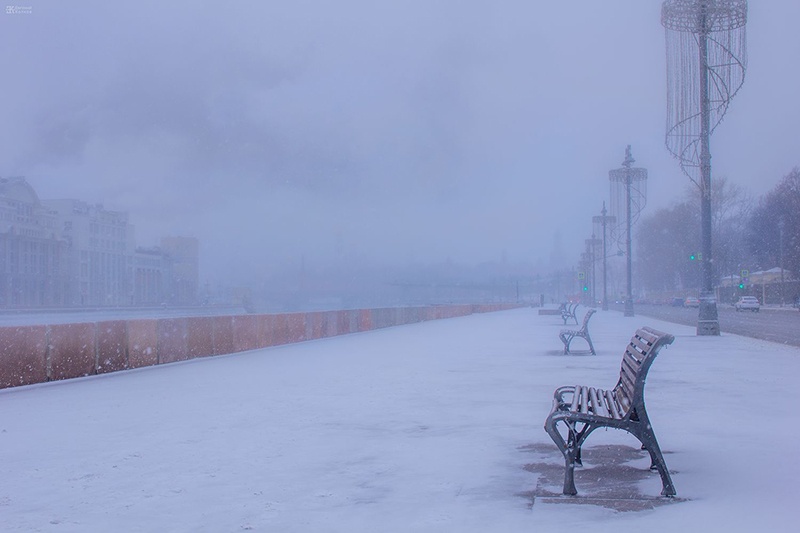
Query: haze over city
(369,133)
(330,266)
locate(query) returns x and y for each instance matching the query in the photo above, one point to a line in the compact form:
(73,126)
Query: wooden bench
(568,311)
(582,409)
(567,335)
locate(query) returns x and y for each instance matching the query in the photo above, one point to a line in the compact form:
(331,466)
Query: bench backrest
(639,355)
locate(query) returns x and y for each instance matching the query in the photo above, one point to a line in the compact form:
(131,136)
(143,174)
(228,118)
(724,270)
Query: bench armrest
(558,395)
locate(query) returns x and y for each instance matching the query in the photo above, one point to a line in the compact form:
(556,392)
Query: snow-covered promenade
(433,426)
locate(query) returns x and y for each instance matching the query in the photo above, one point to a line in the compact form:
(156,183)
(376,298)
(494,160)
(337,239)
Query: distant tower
(706,61)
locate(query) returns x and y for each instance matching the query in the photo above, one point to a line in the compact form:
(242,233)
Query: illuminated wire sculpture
(706,63)
(696,28)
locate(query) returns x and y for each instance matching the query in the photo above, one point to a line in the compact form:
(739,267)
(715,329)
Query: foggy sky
(369,131)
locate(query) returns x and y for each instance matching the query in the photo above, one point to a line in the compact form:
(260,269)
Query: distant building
(149,273)
(34,269)
(183,256)
(101,248)
(68,253)
(759,277)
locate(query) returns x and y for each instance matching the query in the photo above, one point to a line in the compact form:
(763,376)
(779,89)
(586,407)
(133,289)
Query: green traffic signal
(741,285)
(692,257)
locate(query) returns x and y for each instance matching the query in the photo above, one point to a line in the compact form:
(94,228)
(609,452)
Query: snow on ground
(436,426)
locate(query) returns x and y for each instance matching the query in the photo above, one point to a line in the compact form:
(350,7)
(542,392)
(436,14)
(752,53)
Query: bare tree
(673,236)
(773,232)
(731,210)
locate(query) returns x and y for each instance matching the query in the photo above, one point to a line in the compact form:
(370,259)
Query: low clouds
(271,130)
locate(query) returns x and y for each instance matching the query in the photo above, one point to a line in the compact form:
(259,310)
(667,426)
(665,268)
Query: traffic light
(741,285)
(692,257)
(585,288)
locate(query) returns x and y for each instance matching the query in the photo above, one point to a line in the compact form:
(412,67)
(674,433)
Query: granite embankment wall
(36,354)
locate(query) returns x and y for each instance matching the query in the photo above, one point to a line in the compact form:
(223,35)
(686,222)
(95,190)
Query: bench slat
(612,405)
(584,404)
(646,335)
(598,406)
(589,401)
(630,368)
(630,364)
(623,401)
(638,349)
(628,383)
(576,394)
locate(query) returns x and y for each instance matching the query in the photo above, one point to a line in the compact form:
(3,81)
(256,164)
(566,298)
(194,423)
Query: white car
(748,303)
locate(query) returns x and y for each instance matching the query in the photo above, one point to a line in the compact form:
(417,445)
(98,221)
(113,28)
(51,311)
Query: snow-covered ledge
(35,354)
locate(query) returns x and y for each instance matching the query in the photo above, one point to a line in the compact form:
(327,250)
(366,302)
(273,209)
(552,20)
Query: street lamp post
(708,319)
(583,276)
(780,247)
(604,220)
(628,240)
(706,58)
(628,177)
(591,245)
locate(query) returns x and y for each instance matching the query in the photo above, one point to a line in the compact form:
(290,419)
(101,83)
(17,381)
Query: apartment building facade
(69,253)
(34,269)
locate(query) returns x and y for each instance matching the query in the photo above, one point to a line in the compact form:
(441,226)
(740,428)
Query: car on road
(677,302)
(691,301)
(747,303)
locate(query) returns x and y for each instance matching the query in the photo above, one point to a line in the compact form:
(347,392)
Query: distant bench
(583,409)
(568,311)
(567,335)
(556,312)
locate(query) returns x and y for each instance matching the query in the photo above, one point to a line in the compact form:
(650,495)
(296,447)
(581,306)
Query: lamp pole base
(707,317)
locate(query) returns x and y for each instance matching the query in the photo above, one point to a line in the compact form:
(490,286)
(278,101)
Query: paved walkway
(434,426)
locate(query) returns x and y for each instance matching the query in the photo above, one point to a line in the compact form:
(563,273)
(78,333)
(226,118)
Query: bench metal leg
(570,448)
(591,346)
(657,463)
(647,437)
(566,338)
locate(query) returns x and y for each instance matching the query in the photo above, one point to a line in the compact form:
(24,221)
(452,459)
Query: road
(772,324)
